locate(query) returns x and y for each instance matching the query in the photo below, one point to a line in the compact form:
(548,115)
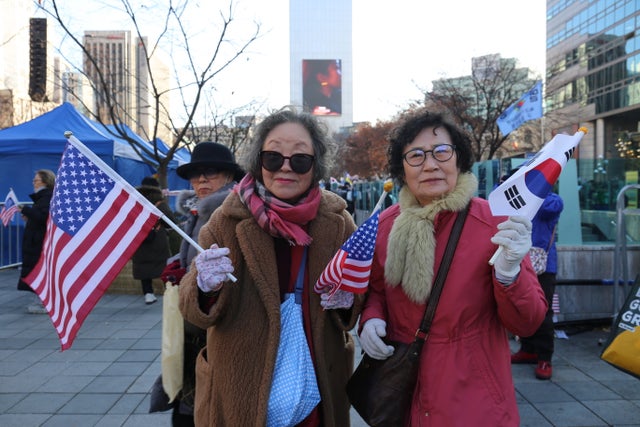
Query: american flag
(350,268)
(9,209)
(96,222)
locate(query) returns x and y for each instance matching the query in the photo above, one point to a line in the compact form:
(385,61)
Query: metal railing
(621,269)
(11,242)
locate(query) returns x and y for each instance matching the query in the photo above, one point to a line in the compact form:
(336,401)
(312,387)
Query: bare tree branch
(202,68)
(476,102)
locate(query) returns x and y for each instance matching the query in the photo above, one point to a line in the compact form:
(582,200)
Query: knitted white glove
(340,299)
(213,266)
(514,236)
(370,340)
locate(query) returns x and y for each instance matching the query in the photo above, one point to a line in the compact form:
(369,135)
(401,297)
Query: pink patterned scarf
(278,218)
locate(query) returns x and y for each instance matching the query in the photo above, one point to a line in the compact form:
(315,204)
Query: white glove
(514,236)
(370,340)
(213,266)
(340,299)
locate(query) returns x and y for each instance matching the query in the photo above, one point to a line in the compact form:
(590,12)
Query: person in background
(464,376)
(538,348)
(35,218)
(275,227)
(212,173)
(150,259)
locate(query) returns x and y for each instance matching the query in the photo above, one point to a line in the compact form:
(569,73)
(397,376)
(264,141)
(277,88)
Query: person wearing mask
(275,233)
(150,259)
(464,375)
(212,173)
(538,348)
(35,218)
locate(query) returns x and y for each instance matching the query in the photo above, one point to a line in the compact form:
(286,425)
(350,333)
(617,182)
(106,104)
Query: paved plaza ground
(105,378)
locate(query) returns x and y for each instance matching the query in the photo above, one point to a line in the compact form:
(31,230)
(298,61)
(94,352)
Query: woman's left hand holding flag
(337,299)
(351,266)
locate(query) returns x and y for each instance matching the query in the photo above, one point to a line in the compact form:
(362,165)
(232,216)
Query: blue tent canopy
(181,155)
(39,143)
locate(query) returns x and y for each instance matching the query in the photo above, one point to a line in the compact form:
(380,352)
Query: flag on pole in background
(524,192)
(10,208)
(528,107)
(96,222)
(350,267)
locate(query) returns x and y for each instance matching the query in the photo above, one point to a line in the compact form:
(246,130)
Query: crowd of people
(267,229)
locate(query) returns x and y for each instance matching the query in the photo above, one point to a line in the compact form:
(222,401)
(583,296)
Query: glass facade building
(593,80)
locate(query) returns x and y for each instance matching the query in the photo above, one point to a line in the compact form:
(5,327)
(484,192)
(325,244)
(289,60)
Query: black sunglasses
(273,161)
(208,173)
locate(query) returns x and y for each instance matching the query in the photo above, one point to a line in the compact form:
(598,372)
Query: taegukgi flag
(96,222)
(528,107)
(523,193)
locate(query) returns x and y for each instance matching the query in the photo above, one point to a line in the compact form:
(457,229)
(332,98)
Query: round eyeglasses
(273,161)
(440,152)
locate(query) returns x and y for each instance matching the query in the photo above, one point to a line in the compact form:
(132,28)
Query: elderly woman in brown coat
(274,219)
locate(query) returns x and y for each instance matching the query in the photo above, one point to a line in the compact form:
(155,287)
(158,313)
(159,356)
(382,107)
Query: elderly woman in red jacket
(465,373)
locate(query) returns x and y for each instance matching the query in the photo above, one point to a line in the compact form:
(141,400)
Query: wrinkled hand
(514,236)
(213,266)
(340,299)
(371,342)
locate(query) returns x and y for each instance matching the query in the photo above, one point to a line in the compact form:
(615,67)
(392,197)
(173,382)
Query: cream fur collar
(412,242)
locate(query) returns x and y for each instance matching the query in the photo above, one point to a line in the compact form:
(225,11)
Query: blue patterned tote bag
(294,389)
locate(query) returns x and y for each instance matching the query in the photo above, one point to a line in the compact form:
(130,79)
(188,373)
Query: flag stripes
(95,225)
(350,267)
(9,209)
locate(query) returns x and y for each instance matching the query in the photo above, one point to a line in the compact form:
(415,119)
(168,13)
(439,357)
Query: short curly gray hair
(323,147)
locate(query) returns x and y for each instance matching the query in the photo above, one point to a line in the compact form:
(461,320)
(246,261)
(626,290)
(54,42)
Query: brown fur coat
(233,376)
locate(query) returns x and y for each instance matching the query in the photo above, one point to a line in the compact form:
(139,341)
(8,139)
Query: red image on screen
(322,86)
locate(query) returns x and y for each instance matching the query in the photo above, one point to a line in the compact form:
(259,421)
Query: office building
(593,72)
(114,72)
(122,70)
(321,66)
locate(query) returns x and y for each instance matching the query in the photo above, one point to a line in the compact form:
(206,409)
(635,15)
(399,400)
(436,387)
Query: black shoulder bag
(381,390)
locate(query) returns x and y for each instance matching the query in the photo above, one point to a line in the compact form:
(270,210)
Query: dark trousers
(181,420)
(541,342)
(147,286)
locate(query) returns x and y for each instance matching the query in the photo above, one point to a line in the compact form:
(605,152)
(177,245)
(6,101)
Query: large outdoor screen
(322,86)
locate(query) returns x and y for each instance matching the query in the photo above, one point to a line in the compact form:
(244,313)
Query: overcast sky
(398,46)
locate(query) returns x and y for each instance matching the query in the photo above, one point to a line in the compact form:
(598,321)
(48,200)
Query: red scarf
(276,217)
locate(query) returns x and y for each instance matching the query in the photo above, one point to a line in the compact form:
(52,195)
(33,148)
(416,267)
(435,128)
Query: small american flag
(96,222)
(555,304)
(350,268)
(9,209)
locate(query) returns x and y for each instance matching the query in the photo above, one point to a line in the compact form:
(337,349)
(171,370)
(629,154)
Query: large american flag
(350,268)
(96,222)
(9,209)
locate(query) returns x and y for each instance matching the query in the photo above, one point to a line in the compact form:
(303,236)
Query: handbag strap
(553,235)
(300,277)
(436,290)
